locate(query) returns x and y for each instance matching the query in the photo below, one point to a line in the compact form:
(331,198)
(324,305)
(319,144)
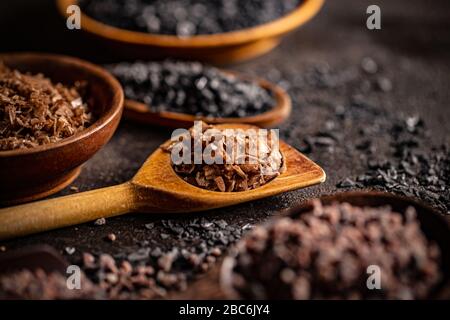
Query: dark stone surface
(321,65)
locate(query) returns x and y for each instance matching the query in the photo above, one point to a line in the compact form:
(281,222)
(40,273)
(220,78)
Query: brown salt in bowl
(33,173)
(434,225)
(216,48)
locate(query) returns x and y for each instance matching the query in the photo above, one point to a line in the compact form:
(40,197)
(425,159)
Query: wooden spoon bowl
(435,227)
(143,113)
(29,174)
(156,188)
(217,48)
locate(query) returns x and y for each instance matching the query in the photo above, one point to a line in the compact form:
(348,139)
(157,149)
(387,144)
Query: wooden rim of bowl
(105,118)
(142,113)
(305,11)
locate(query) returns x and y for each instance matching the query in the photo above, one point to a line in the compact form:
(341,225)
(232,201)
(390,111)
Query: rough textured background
(320,64)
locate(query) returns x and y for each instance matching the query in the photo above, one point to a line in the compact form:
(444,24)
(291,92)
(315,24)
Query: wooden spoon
(156,188)
(141,112)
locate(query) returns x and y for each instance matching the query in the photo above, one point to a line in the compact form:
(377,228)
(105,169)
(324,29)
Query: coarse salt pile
(249,173)
(338,251)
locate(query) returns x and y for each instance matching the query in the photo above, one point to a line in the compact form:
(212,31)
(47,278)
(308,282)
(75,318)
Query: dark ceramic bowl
(435,227)
(29,174)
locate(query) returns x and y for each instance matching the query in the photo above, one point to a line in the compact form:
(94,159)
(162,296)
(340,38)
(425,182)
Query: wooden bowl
(434,225)
(216,48)
(29,174)
(142,113)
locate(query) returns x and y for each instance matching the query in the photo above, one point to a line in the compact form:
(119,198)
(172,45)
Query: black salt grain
(186,18)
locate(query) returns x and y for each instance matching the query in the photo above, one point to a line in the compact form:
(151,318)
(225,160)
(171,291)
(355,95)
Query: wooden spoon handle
(66,211)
